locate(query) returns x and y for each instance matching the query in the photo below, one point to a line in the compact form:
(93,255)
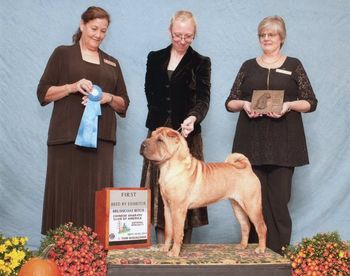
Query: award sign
(264,101)
(122,217)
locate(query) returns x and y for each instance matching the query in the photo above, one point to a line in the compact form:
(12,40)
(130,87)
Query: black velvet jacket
(186,93)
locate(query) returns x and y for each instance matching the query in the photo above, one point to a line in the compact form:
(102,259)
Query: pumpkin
(40,266)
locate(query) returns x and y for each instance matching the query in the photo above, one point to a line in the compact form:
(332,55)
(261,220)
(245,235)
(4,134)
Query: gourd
(40,266)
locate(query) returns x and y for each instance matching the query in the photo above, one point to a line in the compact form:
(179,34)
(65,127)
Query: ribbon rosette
(87,133)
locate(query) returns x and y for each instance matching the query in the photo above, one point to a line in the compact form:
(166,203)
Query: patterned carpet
(196,254)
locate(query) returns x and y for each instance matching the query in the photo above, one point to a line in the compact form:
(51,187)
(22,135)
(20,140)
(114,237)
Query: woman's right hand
(247,106)
(84,86)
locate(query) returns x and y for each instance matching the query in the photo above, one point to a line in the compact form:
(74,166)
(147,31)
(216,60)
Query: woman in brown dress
(177,89)
(75,173)
(274,142)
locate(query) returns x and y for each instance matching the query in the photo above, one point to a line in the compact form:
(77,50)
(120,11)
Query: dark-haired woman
(75,173)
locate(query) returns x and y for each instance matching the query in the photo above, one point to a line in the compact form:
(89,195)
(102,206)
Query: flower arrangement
(13,254)
(323,254)
(76,250)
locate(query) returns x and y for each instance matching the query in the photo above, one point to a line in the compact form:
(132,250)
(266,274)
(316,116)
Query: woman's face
(182,34)
(93,32)
(270,41)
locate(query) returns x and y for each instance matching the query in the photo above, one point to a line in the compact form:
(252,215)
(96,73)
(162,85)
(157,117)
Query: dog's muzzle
(143,147)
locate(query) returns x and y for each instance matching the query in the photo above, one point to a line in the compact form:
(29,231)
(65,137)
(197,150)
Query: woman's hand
(84,86)
(286,107)
(247,107)
(106,99)
(187,125)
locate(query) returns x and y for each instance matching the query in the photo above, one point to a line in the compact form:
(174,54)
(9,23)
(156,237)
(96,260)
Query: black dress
(171,98)
(273,146)
(268,141)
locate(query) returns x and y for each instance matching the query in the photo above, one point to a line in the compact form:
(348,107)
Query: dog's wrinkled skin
(187,183)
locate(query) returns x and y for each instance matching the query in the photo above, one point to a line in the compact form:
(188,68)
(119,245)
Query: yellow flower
(6,270)
(15,241)
(12,254)
(341,253)
(8,243)
(21,255)
(2,248)
(23,240)
(14,264)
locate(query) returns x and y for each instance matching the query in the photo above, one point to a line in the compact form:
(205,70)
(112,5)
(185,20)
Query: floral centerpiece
(13,254)
(323,254)
(76,250)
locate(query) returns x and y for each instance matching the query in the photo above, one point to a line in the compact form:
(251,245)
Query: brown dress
(75,173)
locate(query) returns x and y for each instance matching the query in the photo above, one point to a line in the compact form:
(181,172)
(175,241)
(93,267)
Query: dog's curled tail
(238,160)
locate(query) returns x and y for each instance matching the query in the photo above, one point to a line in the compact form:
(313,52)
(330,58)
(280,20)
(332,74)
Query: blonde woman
(177,88)
(274,142)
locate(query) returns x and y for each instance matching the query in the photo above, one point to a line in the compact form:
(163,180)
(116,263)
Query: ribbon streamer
(87,133)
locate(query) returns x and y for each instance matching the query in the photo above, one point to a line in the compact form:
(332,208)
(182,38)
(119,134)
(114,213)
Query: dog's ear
(158,130)
(173,134)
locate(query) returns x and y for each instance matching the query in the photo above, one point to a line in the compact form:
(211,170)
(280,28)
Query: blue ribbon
(87,133)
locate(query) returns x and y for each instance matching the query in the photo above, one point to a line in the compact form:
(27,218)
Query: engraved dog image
(186,183)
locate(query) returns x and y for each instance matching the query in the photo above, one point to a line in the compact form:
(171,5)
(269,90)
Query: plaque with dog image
(264,101)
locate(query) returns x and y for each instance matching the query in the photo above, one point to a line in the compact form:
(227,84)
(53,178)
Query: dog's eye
(159,140)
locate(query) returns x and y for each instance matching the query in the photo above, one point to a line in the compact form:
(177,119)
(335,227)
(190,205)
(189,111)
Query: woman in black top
(177,88)
(274,142)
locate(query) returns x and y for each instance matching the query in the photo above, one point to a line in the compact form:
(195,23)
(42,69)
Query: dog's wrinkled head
(162,145)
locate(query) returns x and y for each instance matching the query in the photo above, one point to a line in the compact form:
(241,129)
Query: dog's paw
(164,248)
(173,253)
(242,246)
(260,250)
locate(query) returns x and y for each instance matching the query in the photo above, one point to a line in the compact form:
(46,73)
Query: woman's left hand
(106,98)
(286,107)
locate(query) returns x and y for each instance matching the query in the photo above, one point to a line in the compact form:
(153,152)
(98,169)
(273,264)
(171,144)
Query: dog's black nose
(142,147)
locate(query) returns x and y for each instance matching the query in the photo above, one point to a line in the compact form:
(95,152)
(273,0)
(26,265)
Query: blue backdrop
(317,33)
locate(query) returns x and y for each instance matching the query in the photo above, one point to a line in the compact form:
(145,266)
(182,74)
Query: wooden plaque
(122,217)
(264,101)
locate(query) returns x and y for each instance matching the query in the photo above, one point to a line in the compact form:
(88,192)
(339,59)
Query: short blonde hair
(183,16)
(275,23)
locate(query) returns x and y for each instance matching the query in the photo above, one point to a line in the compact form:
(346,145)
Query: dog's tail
(238,160)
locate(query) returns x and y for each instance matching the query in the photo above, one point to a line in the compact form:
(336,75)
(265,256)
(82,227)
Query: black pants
(276,185)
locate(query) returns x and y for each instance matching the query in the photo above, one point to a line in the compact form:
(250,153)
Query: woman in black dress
(177,88)
(274,142)
(75,173)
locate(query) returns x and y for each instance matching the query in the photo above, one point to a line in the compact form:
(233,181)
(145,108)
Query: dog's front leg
(178,217)
(168,228)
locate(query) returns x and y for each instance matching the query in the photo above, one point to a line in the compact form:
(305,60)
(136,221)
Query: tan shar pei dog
(186,183)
